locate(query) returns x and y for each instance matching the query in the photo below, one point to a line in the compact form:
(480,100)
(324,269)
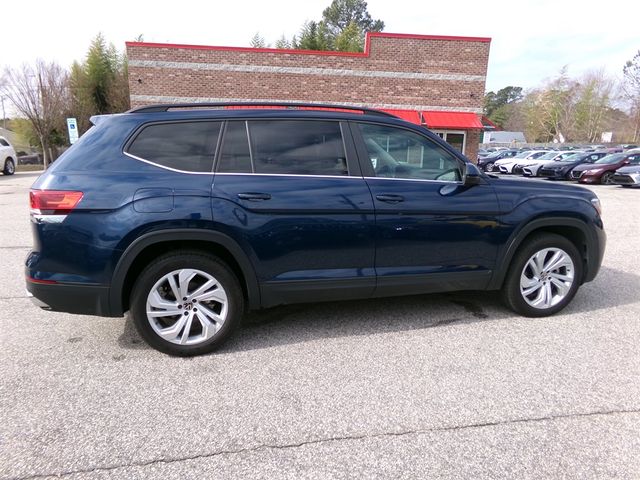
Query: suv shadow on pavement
(299,323)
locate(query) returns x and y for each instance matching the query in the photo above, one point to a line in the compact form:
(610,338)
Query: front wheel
(9,167)
(186,303)
(607,178)
(544,276)
(489,167)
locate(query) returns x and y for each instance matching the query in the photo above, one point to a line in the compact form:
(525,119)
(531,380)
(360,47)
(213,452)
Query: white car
(530,168)
(7,157)
(506,164)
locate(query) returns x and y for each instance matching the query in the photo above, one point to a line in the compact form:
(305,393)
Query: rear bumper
(70,298)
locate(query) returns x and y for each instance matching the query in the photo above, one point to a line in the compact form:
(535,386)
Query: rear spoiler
(96,119)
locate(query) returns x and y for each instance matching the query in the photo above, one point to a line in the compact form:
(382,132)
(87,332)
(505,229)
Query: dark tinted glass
(297,147)
(234,154)
(3,142)
(186,146)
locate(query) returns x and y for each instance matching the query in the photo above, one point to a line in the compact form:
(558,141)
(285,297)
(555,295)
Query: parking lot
(449,385)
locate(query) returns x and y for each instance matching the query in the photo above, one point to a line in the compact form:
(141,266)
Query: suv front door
(294,195)
(432,232)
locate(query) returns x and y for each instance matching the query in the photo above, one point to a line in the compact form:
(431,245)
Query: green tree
(100,84)
(350,39)
(257,41)
(314,36)
(283,44)
(342,13)
(343,27)
(499,106)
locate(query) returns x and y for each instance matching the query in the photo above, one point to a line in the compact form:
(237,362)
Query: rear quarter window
(186,146)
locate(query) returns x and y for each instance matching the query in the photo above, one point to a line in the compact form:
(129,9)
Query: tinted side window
(235,156)
(3,142)
(297,147)
(398,153)
(189,146)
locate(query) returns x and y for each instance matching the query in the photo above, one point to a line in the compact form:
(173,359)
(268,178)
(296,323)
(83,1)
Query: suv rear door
(290,191)
(432,232)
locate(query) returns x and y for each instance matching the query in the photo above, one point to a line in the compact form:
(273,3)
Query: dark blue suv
(187,217)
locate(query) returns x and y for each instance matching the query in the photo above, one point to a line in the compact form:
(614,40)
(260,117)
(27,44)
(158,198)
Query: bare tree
(631,87)
(593,102)
(39,92)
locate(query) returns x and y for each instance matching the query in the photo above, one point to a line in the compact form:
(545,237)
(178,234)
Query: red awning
(452,120)
(408,115)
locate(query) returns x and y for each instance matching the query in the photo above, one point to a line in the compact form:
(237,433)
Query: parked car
(561,170)
(601,171)
(186,217)
(486,163)
(628,176)
(25,158)
(529,168)
(506,165)
(7,157)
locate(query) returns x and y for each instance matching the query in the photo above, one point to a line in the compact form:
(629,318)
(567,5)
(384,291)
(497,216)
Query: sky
(532,40)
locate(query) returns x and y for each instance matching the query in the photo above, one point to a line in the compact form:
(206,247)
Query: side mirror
(472,176)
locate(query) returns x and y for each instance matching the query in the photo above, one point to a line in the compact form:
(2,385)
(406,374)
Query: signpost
(72,127)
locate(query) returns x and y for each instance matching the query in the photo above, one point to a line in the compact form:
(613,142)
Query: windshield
(548,156)
(573,158)
(609,159)
(522,154)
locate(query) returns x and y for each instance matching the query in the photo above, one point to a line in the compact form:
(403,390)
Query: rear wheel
(544,276)
(488,167)
(607,178)
(186,303)
(9,167)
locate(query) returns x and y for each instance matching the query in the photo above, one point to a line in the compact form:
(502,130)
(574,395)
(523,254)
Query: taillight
(54,202)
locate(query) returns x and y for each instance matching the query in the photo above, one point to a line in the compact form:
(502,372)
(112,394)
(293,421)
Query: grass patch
(29,168)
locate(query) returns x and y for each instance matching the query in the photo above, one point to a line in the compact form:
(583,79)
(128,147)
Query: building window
(456,138)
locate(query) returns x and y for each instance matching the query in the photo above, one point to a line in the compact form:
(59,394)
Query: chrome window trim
(136,132)
(165,167)
(292,175)
(456,182)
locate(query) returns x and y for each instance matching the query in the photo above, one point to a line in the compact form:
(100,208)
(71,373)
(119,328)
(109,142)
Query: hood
(595,166)
(543,186)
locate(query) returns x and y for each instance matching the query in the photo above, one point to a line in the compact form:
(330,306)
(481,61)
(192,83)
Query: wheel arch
(574,229)
(153,244)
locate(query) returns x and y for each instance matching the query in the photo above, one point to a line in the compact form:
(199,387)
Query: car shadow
(21,175)
(300,323)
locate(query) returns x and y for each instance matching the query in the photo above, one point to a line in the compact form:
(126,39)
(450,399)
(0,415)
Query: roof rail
(165,107)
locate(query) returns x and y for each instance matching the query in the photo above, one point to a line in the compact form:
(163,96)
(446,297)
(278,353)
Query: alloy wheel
(187,307)
(547,277)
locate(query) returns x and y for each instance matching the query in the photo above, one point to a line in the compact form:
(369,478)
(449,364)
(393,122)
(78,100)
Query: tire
(607,178)
(9,167)
(488,167)
(521,277)
(201,323)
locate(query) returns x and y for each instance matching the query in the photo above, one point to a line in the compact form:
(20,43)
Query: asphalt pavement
(432,386)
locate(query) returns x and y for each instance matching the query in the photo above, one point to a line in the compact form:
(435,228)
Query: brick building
(435,81)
